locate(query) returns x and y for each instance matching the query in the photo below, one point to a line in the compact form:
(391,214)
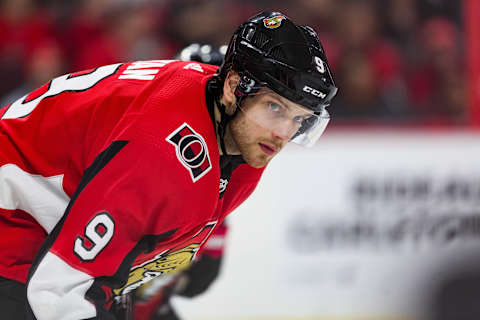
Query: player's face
(265,124)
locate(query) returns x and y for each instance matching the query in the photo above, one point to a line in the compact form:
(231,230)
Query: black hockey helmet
(287,58)
(269,50)
(204,53)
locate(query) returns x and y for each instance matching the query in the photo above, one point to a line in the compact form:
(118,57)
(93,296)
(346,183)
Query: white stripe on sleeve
(57,291)
(42,197)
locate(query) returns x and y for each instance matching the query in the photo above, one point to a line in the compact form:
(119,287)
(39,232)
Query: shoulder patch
(191,150)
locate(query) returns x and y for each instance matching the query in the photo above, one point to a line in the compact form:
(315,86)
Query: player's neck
(230,145)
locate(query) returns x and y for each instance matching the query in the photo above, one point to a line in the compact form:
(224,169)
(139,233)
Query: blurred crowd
(395,61)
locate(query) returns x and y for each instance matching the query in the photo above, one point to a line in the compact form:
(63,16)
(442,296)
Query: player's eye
(298,119)
(273,107)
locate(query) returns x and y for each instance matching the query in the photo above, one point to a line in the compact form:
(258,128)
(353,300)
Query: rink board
(366,225)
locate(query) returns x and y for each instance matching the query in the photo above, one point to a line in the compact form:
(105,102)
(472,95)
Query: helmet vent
(279,54)
(248,33)
(260,39)
(311,36)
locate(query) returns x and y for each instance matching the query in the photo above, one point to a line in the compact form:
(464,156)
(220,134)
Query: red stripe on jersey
(80,73)
(37,93)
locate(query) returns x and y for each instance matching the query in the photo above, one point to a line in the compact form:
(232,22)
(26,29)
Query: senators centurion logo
(191,150)
(274,22)
(168,262)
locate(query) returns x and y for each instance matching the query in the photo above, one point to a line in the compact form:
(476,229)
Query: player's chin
(258,164)
(257,159)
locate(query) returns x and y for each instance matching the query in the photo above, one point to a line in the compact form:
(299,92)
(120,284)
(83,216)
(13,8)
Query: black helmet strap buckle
(246,86)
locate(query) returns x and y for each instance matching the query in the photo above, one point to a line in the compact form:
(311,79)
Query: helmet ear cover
(247,85)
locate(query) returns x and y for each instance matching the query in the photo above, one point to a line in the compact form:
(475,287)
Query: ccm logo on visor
(314,92)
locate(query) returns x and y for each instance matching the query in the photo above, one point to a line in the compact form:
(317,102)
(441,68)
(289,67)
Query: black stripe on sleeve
(98,164)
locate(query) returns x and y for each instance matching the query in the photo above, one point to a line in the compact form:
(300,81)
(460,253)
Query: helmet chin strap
(225,118)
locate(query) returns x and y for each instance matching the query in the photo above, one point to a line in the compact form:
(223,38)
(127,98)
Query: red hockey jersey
(109,178)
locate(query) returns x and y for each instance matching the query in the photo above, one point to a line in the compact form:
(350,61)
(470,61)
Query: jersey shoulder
(171,114)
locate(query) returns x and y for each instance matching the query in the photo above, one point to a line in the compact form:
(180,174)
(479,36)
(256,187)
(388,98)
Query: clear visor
(285,119)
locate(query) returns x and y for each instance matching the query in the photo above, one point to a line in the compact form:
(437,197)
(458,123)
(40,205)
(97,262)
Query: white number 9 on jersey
(98,233)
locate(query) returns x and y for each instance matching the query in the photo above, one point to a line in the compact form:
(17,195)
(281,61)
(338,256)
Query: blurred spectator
(45,62)
(370,69)
(320,14)
(107,32)
(400,23)
(85,30)
(359,96)
(451,10)
(436,78)
(200,21)
(395,60)
(23,28)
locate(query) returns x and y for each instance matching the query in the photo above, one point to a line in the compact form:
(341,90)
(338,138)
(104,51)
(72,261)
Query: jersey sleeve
(94,243)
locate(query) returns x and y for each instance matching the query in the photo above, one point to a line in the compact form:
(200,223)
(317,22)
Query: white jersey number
(98,233)
(66,83)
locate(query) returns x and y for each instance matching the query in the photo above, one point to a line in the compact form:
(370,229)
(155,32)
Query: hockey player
(116,175)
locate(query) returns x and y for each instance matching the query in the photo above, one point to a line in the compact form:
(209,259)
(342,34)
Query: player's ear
(229,86)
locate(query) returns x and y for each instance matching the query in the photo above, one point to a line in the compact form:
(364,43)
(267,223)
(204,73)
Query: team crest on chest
(192,151)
